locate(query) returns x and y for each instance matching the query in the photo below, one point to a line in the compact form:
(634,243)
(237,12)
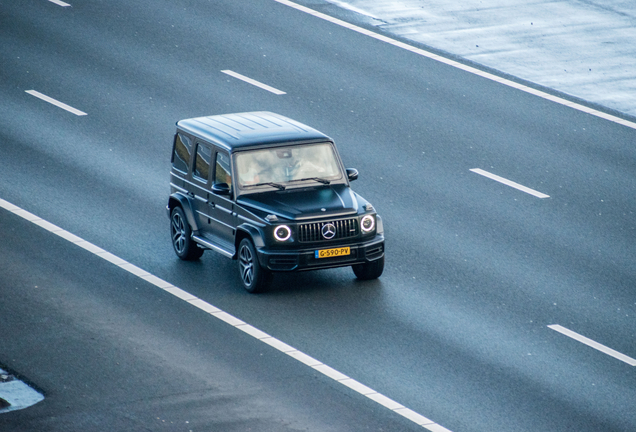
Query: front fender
(379,225)
(255,233)
(257,236)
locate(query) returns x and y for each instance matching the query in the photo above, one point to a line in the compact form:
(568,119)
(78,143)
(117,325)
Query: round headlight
(282,233)
(367,223)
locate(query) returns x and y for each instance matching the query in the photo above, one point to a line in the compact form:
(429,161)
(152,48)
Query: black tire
(181,235)
(254,277)
(370,270)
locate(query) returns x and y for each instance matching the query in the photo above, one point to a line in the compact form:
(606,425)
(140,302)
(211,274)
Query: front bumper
(305,259)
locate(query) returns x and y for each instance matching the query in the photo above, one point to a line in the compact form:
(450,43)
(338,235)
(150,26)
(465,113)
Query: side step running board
(205,243)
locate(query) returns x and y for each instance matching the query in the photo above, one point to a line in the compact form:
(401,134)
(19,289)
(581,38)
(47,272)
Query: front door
(222,205)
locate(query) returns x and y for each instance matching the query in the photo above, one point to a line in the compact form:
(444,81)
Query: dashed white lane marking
(253,82)
(589,342)
(509,183)
(229,319)
(56,102)
(60,3)
(461,66)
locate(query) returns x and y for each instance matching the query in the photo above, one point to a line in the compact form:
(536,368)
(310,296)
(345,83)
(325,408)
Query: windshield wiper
(318,179)
(276,185)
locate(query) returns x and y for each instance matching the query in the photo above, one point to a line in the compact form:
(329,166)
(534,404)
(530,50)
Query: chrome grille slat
(311,232)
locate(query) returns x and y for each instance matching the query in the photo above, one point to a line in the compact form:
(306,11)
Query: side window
(181,153)
(201,169)
(223,173)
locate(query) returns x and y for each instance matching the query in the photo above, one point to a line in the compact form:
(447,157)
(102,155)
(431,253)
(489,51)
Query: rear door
(181,156)
(199,187)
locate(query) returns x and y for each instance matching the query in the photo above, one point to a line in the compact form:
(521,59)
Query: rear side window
(202,163)
(181,154)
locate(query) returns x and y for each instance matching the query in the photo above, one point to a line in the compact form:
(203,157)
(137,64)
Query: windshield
(280,167)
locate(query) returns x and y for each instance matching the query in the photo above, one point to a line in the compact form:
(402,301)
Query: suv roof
(234,131)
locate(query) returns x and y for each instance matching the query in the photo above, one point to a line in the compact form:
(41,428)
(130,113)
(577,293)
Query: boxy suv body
(271,193)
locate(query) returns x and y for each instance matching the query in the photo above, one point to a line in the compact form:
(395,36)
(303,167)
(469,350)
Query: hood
(304,203)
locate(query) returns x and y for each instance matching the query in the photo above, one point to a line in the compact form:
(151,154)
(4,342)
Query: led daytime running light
(282,233)
(365,221)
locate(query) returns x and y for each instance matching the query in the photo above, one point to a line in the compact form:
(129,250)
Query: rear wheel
(254,277)
(370,270)
(181,235)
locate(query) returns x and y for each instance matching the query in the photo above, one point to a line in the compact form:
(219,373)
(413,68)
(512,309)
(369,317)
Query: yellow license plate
(328,253)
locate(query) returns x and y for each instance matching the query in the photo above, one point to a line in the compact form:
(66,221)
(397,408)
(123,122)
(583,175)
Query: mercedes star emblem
(328,230)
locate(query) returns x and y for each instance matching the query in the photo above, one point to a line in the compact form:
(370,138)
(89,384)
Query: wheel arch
(251,232)
(180,200)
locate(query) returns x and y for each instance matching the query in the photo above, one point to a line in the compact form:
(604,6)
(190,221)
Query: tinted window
(202,162)
(288,165)
(182,151)
(222,172)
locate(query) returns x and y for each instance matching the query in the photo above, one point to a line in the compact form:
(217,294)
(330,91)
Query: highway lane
(109,351)
(456,329)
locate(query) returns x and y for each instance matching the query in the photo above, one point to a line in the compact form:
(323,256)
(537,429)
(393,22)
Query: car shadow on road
(321,281)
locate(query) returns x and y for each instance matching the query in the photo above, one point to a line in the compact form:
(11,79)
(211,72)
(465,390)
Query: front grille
(312,232)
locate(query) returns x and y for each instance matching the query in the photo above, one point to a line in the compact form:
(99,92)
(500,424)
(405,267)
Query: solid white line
(589,342)
(60,3)
(461,66)
(253,82)
(509,183)
(55,102)
(229,319)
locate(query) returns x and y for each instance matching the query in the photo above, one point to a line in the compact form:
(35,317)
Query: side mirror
(352,174)
(221,189)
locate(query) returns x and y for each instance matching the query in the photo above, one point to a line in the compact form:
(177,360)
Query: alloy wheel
(178,233)
(246,261)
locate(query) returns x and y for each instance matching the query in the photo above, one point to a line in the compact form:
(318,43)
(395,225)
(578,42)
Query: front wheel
(181,235)
(254,277)
(370,270)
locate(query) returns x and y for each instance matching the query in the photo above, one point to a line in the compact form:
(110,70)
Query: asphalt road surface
(457,328)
